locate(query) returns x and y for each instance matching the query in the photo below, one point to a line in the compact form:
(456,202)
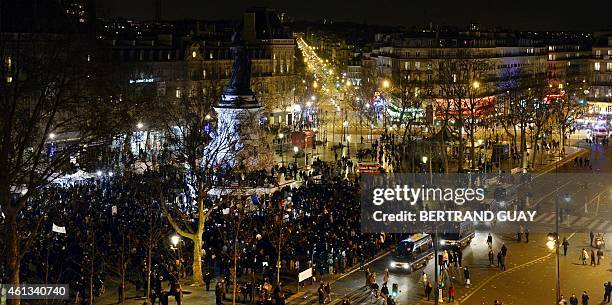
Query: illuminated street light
(99,173)
(295,149)
(297,108)
(424,159)
(207,117)
(175,239)
(345,123)
(309,104)
(313,97)
(479,142)
(139,125)
(476,84)
(386,83)
(51,136)
(315,85)
(281,135)
(367,105)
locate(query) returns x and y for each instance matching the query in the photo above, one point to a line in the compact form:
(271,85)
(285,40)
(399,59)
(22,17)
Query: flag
(59,229)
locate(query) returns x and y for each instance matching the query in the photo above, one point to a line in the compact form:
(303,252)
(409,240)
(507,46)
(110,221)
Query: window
(598,53)
(609,67)
(417,65)
(178,93)
(405,65)
(610,52)
(597,66)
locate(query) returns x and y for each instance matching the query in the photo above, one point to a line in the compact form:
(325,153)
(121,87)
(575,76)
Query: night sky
(521,14)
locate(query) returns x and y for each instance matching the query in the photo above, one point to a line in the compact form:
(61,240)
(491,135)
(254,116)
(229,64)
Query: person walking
(428,289)
(386,276)
(502,263)
(491,257)
(599,256)
(585,298)
(593,258)
(565,246)
(466,276)
(607,292)
(504,250)
(592,235)
(573,300)
(451,294)
(321,294)
(490,240)
(584,256)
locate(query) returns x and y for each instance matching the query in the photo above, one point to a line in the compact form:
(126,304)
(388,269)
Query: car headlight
(406,266)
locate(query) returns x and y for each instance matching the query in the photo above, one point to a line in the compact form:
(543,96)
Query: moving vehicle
(461,236)
(412,253)
(599,132)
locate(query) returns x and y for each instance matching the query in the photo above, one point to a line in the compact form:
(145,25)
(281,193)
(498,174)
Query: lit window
(597,66)
(417,65)
(405,65)
(609,67)
(178,93)
(597,53)
(610,52)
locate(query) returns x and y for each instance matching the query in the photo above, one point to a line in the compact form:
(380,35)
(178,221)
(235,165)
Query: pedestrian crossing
(584,223)
(360,296)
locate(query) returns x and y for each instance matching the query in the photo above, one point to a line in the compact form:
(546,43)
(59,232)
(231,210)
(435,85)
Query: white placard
(58,229)
(304,275)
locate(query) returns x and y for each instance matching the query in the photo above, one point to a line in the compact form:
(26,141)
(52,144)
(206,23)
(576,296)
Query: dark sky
(521,14)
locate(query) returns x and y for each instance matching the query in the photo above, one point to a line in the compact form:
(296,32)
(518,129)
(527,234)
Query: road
(530,277)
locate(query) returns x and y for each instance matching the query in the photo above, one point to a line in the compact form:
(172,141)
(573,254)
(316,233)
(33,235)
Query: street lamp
(51,136)
(476,84)
(139,125)
(348,146)
(280,137)
(424,159)
(175,239)
(386,84)
(295,151)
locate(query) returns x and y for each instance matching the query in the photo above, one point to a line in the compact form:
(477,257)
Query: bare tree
(45,91)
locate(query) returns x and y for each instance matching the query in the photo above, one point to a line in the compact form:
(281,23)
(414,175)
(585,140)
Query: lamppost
(348,146)
(385,84)
(176,241)
(280,139)
(345,125)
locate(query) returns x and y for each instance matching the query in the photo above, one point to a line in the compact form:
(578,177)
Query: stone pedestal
(237,136)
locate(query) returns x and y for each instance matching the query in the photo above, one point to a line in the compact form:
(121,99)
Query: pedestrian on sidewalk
(527,235)
(327,289)
(607,292)
(573,300)
(583,256)
(321,293)
(599,256)
(504,250)
(499,258)
(386,276)
(593,258)
(585,298)
(491,257)
(565,246)
(502,263)
(490,240)
(428,289)
(451,294)
(367,278)
(466,276)
(592,235)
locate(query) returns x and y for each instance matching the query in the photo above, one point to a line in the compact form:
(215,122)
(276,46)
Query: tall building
(600,99)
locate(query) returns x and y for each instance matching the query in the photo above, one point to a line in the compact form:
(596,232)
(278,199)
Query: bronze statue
(240,81)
